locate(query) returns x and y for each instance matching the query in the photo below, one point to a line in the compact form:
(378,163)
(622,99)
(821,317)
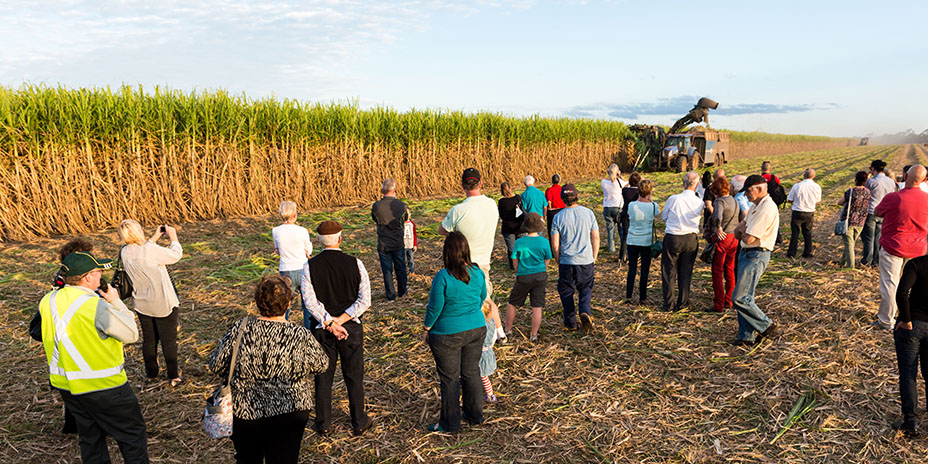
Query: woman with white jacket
(153,293)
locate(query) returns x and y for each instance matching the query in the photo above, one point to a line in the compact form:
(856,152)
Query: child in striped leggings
(488,358)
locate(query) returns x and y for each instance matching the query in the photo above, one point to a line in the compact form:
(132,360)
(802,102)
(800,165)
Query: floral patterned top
(859,206)
(274,368)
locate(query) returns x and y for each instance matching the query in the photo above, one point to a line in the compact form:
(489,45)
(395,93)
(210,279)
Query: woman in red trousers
(724,219)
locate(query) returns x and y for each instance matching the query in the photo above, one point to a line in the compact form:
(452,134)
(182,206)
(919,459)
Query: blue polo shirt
(534,200)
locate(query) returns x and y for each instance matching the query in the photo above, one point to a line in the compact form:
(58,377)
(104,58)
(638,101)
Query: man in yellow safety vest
(83,336)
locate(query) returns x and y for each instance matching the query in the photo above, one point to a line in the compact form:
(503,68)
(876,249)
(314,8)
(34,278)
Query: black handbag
(657,246)
(708,253)
(121,281)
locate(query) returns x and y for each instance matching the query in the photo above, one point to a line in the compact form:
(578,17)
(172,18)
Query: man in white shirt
(804,196)
(476,218)
(758,233)
(681,215)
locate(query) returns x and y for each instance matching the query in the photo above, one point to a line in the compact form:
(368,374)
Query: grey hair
(330,240)
(810,173)
(529,180)
(612,167)
(690,179)
(737,183)
(389,185)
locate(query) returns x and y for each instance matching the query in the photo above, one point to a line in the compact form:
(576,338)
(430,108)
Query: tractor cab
(677,144)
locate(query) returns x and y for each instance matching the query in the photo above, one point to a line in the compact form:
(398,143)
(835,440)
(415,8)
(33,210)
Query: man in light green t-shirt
(476,217)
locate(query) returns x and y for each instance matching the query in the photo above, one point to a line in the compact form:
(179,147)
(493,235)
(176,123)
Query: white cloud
(309,42)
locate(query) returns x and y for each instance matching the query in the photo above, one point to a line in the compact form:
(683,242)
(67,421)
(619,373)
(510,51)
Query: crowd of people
(83,324)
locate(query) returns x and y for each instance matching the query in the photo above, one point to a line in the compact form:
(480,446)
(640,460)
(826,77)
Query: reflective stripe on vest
(61,336)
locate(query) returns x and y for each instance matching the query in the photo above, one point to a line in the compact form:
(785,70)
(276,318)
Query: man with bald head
(681,215)
(804,196)
(758,233)
(905,226)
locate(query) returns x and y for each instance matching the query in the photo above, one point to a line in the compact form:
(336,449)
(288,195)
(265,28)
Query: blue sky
(813,67)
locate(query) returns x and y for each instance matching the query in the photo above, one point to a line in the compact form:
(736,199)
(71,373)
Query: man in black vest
(336,291)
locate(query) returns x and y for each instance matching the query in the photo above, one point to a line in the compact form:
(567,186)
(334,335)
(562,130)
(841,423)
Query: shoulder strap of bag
(847,207)
(654,223)
(235,347)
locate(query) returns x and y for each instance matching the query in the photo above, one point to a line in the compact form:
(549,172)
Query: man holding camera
(83,335)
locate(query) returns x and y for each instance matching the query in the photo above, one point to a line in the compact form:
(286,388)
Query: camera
(163,229)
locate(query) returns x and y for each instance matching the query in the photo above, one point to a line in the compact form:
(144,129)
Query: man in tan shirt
(757,232)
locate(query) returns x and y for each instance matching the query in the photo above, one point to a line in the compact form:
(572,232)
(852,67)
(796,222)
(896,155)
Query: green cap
(82,262)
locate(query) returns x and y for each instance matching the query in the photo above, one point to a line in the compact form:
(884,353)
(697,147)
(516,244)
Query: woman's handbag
(657,246)
(841,226)
(217,416)
(121,281)
(708,253)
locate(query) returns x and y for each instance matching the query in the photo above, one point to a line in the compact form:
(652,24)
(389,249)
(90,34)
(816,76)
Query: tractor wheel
(681,164)
(694,161)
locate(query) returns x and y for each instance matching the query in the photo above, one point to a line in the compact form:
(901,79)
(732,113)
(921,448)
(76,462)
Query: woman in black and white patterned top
(272,381)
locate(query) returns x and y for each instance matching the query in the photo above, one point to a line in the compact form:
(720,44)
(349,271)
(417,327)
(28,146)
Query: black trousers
(800,222)
(550,218)
(163,329)
(114,412)
(351,351)
(457,359)
(275,439)
(634,253)
(677,261)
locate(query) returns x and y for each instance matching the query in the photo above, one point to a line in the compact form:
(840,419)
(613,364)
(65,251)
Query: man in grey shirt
(389,213)
(879,185)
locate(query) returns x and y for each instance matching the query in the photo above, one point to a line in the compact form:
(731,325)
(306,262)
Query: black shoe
(360,431)
(740,342)
(770,332)
(907,431)
(586,322)
(570,329)
(322,432)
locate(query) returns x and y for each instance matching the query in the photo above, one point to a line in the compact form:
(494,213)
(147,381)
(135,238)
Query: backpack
(776,191)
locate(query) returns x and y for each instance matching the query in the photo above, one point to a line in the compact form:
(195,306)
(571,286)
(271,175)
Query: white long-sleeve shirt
(152,290)
(682,213)
(317,309)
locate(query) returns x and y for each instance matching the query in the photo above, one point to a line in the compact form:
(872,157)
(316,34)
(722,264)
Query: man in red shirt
(553,195)
(766,174)
(905,226)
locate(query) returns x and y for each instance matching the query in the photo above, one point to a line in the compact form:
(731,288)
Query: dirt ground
(645,386)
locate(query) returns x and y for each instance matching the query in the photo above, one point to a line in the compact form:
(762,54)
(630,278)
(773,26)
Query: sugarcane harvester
(696,147)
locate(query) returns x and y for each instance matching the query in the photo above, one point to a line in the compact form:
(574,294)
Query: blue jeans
(870,237)
(752,262)
(575,278)
(510,240)
(611,215)
(911,347)
(390,262)
(410,260)
(295,276)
